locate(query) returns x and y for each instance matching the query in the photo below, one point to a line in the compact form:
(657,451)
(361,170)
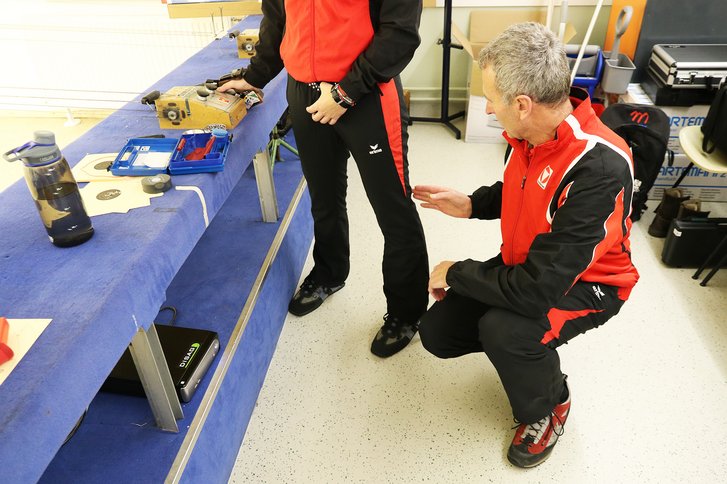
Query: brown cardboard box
(485,25)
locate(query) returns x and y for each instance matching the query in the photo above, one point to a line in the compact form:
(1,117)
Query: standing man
(345,96)
(564,265)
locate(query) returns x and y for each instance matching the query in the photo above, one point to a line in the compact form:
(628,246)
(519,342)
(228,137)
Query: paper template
(23,334)
(93,167)
(118,197)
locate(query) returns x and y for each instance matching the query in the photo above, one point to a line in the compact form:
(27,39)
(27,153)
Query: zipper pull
(522,185)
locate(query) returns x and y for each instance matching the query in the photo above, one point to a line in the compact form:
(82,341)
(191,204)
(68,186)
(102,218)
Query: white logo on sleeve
(545,176)
(598,292)
(375,149)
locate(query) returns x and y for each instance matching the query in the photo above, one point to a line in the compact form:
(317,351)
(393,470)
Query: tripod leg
(289,147)
(714,270)
(709,258)
(274,150)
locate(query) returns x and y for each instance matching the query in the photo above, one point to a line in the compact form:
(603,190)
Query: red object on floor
(5,352)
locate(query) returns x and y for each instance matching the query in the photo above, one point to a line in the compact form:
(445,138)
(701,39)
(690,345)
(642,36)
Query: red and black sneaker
(534,442)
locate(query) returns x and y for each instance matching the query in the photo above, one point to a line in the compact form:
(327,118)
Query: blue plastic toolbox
(200,153)
(197,152)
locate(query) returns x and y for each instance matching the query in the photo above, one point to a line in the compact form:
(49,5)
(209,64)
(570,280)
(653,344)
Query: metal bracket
(146,351)
(263,165)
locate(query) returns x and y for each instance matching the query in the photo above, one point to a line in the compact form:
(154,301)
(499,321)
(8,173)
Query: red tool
(5,352)
(200,153)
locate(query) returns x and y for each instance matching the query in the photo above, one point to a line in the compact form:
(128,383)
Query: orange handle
(208,146)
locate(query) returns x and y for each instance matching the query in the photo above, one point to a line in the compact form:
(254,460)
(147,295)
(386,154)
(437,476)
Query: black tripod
(280,129)
(446,42)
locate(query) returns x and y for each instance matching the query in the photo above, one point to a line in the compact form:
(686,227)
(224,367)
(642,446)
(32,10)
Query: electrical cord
(174,315)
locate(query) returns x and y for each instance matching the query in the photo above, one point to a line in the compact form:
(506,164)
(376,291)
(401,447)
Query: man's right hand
(446,200)
(239,85)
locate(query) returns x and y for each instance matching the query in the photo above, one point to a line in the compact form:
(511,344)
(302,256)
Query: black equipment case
(690,241)
(686,74)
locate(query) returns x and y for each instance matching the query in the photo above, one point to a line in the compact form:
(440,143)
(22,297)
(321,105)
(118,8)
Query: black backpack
(714,127)
(646,130)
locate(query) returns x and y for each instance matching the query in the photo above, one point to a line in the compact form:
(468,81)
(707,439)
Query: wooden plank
(205,9)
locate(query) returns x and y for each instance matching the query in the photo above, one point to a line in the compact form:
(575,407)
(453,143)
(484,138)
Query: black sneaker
(310,296)
(393,336)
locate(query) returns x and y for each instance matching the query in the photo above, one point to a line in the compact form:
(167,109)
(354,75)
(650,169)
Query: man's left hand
(325,110)
(438,280)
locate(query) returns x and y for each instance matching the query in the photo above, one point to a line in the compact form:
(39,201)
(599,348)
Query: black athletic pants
(522,349)
(374,132)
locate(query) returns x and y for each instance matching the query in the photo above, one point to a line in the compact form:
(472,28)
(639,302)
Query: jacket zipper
(520,208)
(313,40)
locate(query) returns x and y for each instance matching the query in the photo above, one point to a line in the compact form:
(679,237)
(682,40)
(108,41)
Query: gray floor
(648,387)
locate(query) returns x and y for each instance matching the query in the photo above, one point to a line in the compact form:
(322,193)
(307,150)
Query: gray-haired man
(564,265)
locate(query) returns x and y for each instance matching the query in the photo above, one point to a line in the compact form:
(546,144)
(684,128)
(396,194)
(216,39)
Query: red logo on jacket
(545,176)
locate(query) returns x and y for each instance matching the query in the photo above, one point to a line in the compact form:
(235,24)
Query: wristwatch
(339,96)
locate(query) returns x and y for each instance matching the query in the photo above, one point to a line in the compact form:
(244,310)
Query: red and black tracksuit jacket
(363,45)
(357,43)
(564,208)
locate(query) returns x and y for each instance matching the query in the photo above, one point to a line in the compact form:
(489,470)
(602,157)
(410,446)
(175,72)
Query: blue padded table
(103,293)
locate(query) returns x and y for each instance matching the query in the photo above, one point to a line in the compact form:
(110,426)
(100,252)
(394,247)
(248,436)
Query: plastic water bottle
(54,190)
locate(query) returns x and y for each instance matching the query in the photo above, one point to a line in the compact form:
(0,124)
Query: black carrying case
(690,241)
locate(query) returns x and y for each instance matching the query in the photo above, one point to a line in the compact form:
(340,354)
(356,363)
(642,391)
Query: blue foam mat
(117,441)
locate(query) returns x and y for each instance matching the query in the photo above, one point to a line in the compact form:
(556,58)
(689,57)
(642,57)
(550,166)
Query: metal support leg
(265,186)
(275,142)
(721,262)
(146,351)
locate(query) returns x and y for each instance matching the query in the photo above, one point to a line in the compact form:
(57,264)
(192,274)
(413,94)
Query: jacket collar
(582,111)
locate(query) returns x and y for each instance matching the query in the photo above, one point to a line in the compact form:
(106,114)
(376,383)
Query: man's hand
(239,85)
(325,110)
(438,280)
(446,200)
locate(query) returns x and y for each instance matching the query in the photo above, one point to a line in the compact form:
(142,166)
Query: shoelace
(391,324)
(308,286)
(537,429)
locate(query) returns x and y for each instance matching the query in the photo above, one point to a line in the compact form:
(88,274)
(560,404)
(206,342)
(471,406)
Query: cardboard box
(485,26)
(704,185)
(709,187)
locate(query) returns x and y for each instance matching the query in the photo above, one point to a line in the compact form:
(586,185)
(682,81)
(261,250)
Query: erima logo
(598,292)
(545,176)
(190,354)
(640,117)
(375,149)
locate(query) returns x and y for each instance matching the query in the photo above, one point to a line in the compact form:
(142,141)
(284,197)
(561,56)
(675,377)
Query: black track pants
(522,349)
(374,132)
